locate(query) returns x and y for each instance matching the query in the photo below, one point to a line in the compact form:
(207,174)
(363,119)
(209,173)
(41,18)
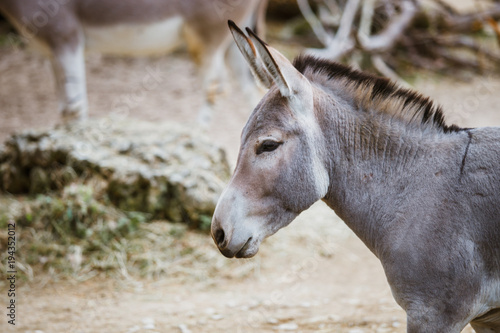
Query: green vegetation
(78,233)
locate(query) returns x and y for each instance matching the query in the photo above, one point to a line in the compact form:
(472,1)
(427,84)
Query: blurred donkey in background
(64,29)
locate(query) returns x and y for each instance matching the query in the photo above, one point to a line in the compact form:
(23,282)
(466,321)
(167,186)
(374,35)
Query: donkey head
(281,167)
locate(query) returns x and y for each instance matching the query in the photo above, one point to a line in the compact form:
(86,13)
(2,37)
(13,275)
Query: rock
(134,329)
(165,170)
(288,327)
(148,323)
(184,328)
(210,311)
(217,317)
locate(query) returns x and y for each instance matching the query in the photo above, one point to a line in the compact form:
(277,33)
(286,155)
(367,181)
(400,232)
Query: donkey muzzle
(231,244)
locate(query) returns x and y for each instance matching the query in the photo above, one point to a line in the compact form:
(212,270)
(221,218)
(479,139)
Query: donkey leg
(208,51)
(68,63)
(237,63)
(432,326)
(214,76)
(424,321)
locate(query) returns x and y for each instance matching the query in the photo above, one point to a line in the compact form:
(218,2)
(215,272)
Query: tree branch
(386,71)
(313,21)
(392,33)
(342,43)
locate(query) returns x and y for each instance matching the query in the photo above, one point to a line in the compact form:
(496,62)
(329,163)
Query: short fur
(423,196)
(377,93)
(66,29)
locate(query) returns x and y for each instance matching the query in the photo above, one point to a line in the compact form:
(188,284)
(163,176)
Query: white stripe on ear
(248,50)
(270,63)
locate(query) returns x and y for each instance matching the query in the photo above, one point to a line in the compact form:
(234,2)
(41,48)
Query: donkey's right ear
(250,54)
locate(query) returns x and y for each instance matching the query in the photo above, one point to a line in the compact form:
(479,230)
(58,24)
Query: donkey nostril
(219,237)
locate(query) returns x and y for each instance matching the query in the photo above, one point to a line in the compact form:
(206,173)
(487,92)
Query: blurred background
(112,215)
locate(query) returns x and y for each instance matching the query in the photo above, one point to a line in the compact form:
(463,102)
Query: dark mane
(405,103)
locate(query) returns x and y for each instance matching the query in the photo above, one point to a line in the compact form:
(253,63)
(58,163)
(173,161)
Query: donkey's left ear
(289,80)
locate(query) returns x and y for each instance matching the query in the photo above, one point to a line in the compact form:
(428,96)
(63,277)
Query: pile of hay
(91,184)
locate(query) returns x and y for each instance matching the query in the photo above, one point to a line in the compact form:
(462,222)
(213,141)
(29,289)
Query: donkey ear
(288,79)
(248,50)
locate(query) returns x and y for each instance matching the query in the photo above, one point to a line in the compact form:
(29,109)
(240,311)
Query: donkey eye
(267,146)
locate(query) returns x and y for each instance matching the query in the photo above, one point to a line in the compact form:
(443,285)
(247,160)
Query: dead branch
(468,22)
(494,25)
(347,20)
(386,71)
(365,24)
(388,33)
(314,22)
(446,7)
(330,13)
(341,43)
(387,38)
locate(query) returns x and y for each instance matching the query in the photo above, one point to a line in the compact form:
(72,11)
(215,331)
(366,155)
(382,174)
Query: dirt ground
(314,276)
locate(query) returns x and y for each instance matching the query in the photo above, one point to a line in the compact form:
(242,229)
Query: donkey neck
(379,165)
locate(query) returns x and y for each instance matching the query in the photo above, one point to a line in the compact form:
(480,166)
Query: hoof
(74,113)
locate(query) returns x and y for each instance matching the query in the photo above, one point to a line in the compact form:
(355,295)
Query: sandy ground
(314,276)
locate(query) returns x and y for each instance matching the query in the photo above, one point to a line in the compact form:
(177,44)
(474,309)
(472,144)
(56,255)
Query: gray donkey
(423,196)
(65,29)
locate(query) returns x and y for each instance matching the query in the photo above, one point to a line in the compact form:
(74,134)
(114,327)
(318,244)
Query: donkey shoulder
(481,187)
(481,162)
